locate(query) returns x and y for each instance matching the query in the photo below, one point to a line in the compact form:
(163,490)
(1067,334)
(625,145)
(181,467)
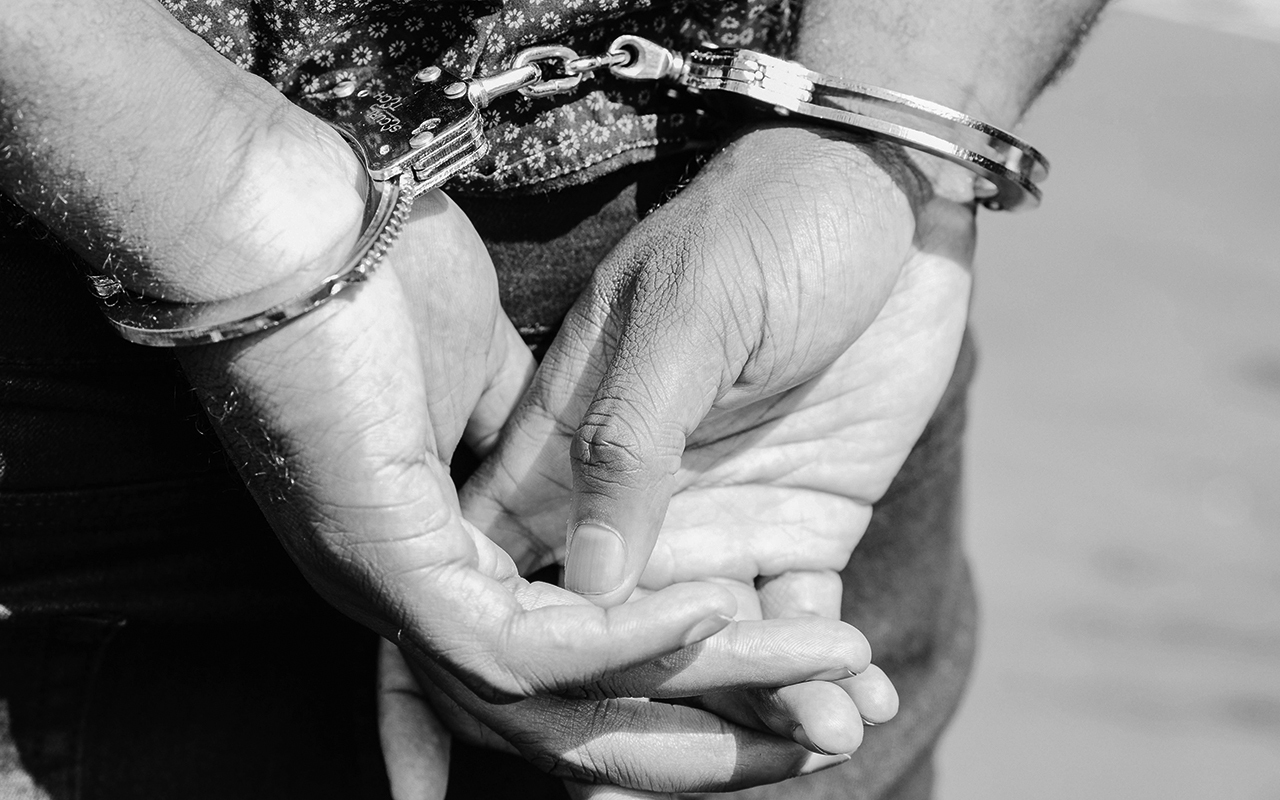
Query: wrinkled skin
(751,367)
(343,422)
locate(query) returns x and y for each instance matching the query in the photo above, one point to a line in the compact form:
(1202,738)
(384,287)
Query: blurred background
(1124,483)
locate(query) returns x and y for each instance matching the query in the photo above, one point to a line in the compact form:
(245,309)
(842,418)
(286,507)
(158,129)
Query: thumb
(625,454)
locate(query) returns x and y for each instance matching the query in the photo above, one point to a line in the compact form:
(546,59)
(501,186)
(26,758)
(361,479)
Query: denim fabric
(155,641)
(135,710)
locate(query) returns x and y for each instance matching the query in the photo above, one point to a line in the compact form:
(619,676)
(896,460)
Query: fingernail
(705,628)
(816,762)
(596,561)
(837,674)
(869,723)
(801,737)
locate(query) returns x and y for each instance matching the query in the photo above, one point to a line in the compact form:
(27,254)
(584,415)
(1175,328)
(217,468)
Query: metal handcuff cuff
(410,144)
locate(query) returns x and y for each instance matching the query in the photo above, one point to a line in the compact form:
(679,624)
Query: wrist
(945,62)
(947,70)
(291,201)
(987,60)
(165,166)
(903,178)
(836,156)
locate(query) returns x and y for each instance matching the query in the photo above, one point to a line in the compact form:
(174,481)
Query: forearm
(987,58)
(157,160)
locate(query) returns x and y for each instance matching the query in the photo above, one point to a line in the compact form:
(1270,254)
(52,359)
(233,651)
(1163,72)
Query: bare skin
(344,432)
(343,422)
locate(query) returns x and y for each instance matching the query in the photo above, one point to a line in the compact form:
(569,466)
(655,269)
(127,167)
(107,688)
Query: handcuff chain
(627,57)
(1007,168)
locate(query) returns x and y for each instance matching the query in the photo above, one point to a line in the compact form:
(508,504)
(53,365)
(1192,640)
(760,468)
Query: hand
(713,529)
(777,515)
(748,284)
(778,480)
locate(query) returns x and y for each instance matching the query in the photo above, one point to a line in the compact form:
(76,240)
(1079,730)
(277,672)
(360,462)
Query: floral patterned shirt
(306,47)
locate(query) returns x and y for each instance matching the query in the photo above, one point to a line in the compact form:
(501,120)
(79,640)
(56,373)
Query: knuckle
(614,444)
(607,442)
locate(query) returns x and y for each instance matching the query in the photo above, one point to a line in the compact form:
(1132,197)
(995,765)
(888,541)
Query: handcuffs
(412,143)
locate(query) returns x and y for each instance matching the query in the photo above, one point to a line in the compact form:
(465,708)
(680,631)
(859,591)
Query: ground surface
(1124,497)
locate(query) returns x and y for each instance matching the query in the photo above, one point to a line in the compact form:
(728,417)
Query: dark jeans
(156,642)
